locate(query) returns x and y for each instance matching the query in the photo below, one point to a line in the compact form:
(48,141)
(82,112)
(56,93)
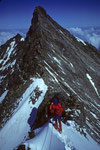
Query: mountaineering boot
(60,128)
(56,126)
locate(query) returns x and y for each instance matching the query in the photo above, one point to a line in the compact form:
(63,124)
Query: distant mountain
(66,65)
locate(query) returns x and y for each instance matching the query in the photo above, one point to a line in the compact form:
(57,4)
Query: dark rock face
(10,77)
(68,67)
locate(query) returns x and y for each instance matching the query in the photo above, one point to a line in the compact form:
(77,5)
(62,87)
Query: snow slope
(14,132)
(50,139)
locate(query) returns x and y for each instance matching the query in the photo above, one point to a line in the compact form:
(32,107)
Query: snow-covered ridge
(13,133)
(80,40)
(50,139)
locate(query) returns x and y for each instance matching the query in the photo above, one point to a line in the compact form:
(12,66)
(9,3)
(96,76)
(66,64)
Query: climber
(56,110)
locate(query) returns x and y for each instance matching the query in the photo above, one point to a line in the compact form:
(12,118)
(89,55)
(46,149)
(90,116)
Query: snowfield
(49,138)
(17,128)
(15,132)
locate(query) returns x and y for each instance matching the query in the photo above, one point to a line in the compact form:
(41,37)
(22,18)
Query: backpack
(57,109)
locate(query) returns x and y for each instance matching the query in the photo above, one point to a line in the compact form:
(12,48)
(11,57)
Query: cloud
(91,35)
(5,35)
(94,40)
(77,30)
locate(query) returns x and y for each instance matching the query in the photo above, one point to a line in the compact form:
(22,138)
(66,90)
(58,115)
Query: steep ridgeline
(10,77)
(66,64)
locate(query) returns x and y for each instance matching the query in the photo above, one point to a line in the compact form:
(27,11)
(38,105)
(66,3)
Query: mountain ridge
(67,66)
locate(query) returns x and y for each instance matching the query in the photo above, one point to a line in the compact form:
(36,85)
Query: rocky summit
(69,67)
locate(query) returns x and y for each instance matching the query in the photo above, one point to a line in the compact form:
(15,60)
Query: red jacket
(57,109)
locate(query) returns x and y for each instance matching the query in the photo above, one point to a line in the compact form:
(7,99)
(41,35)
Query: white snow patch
(54,76)
(62,70)
(7,54)
(13,63)
(9,50)
(22,39)
(3,96)
(61,32)
(80,40)
(67,110)
(48,65)
(58,61)
(71,65)
(68,63)
(88,96)
(51,74)
(64,59)
(92,83)
(70,88)
(9,65)
(1,78)
(1,61)
(50,69)
(96,107)
(90,126)
(92,68)
(13,133)
(75,93)
(93,115)
(93,101)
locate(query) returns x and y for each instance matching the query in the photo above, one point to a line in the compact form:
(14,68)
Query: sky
(17,14)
